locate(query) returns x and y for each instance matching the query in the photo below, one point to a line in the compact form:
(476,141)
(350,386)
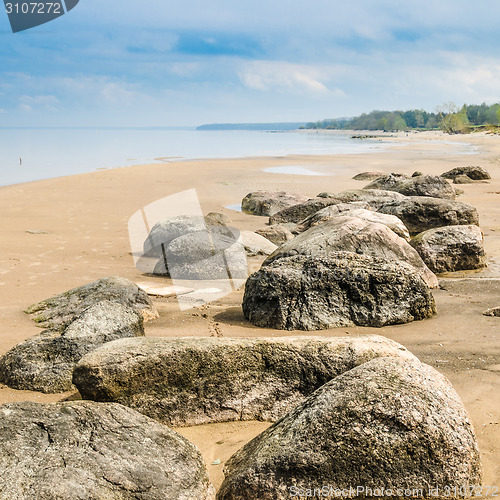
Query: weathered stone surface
(277,233)
(203,255)
(188,381)
(352,234)
(355,209)
(167,230)
(388,423)
(368,176)
(307,292)
(374,197)
(256,244)
(421,185)
(85,450)
(270,202)
(61,310)
(299,212)
(45,362)
(473,172)
(387,182)
(171,228)
(451,248)
(420,213)
(494,311)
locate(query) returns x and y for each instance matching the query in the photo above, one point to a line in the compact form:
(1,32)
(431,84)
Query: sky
(191,62)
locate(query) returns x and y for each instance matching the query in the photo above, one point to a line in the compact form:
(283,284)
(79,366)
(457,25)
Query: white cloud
(44,102)
(272,75)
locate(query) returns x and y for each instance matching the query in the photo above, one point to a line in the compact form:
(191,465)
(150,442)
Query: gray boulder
(277,233)
(387,182)
(189,381)
(361,236)
(451,248)
(472,172)
(388,424)
(171,228)
(84,450)
(355,209)
(61,310)
(420,213)
(340,289)
(256,244)
(203,255)
(374,197)
(299,212)
(368,176)
(421,185)
(45,362)
(270,202)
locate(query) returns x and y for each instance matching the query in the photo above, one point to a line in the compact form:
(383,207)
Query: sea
(30,154)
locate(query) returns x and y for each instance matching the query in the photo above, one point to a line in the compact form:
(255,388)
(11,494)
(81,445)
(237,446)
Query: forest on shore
(448,117)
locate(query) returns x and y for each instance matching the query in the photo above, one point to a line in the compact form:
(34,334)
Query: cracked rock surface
(390,422)
(189,381)
(94,451)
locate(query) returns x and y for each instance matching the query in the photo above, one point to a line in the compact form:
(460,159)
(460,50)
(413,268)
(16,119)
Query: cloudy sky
(165,63)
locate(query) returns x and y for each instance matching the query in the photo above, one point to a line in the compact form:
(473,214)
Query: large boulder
(474,173)
(84,450)
(353,210)
(277,233)
(353,234)
(171,228)
(386,426)
(387,182)
(339,289)
(256,244)
(421,185)
(451,248)
(420,213)
(270,202)
(299,212)
(45,362)
(374,197)
(189,381)
(61,310)
(203,255)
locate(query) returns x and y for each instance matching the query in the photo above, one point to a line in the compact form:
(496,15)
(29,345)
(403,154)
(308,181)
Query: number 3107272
(33,8)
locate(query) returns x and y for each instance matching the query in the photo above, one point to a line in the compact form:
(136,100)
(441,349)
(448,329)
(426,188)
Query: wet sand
(61,233)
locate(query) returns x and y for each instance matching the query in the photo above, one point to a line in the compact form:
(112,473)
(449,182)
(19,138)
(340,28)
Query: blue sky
(163,63)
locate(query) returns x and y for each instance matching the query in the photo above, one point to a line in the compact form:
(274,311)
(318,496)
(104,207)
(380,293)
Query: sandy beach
(61,233)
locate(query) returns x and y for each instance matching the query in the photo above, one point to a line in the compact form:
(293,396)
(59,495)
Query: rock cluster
(420,185)
(45,362)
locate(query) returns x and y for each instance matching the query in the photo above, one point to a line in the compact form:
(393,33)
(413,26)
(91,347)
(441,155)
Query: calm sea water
(47,153)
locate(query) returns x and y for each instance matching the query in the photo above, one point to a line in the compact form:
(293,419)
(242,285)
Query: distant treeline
(448,117)
(252,126)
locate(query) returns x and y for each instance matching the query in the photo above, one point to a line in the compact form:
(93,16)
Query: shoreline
(83,219)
